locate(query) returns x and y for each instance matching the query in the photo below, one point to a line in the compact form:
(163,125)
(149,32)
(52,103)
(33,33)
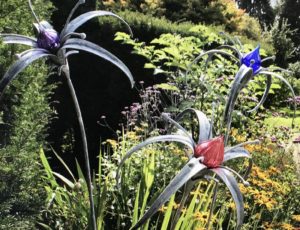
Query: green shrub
(25,114)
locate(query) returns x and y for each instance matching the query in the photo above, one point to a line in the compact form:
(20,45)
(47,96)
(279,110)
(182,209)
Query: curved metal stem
(66,72)
(33,13)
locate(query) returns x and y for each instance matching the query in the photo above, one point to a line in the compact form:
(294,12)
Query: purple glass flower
(252,60)
(48,39)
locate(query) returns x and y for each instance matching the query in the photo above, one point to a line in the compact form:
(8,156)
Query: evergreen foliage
(290,11)
(25,114)
(217,12)
(261,10)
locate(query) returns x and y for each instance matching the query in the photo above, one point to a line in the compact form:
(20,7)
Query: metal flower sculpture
(207,156)
(250,65)
(57,47)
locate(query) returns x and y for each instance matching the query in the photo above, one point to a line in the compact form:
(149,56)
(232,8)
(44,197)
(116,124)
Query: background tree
(262,10)
(290,11)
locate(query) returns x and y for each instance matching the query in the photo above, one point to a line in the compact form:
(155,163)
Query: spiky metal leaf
(264,97)
(203,122)
(240,152)
(235,50)
(192,168)
(178,126)
(176,138)
(83,18)
(288,85)
(210,54)
(231,183)
(241,79)
(18,39)
(21,64)
(79,44)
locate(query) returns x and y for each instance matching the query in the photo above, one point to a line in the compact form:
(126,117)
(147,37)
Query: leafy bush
(25,115)
(284,47)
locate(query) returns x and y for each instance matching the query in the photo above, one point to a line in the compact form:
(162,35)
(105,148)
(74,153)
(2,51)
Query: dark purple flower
(48,39)
(252,60)
(273,139)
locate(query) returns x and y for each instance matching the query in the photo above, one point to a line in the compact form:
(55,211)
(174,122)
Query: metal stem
(66,72)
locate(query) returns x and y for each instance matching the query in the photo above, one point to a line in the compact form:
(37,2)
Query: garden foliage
(25,115)
(271,201)
(150,170)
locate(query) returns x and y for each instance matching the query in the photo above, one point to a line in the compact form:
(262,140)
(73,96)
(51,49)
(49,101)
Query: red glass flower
(212,151)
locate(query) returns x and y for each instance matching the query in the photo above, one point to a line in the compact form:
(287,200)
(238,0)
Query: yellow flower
(286,226)
(201,216)
(184,158)
(268,226)
(112,143)
(231,205)
(296,218)
(132,136)
(197,192)
(163,208)
(234,132)
(175,206)
(240,138)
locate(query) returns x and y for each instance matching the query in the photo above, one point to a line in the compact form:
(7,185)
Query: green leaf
(149,66)
(64,179)
(168,213)
(166,86)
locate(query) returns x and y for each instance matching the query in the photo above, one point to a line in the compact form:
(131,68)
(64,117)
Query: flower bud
(48,39)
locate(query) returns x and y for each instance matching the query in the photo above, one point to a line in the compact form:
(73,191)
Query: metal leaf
(204,124)
(272,58)
(210,53)
(79,44)
(178,126)
(21,64)
(240,152)
(230,148)
(18,39)
(175,138)
(241,79)
(264,97)
(231,183)
(192,168)
(235,50)
(288,84)
(83,18)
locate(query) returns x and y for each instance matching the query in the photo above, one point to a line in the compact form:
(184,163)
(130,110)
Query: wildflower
(286,226)
(296,218)
(208,155)
(201,216)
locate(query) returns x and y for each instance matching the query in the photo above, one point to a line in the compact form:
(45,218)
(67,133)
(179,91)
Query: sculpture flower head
(50,44)
(250,65)
(47,37)
(252,60)
(208,156)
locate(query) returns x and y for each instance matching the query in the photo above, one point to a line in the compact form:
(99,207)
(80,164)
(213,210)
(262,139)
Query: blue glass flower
(252,60)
